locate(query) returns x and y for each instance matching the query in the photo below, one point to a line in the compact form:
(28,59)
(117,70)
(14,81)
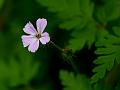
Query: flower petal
(26,40)
(34,44)
(41,24)
(44,38)
(29,29)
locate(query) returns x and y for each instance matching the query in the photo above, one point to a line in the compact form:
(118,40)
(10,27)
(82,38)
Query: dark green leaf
(72,82)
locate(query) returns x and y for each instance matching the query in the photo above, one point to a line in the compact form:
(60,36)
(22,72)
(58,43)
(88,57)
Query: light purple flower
(34,36)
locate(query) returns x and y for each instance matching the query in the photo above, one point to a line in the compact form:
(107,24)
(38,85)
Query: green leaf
(69,10)
(117,31)
(109,11)
(98,86)
(73,23)
(16,72)
(87,36)
(66,9)
(75,16)
(1,3)
(108,49)
(28,67)
(3,87)
(72,82)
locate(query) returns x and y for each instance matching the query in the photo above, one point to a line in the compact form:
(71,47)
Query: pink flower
(34,36)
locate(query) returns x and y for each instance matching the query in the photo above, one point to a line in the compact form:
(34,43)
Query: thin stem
(69,58)
(59,48)
(74,66)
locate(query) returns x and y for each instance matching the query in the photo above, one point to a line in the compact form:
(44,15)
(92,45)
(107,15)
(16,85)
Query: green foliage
(108,49)
(17,67)
(87,36)
(109,11)
(74,82)
(75,15)
(117,87)
(70,12)
(1,3)
(15,73)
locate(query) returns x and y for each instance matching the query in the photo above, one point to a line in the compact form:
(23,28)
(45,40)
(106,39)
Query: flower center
(37,35)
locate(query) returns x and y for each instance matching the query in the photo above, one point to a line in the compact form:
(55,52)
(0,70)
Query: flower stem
(56,46)
(74,66)
(68,57)
(70,61)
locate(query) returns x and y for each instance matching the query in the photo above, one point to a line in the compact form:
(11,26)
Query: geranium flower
(34,37)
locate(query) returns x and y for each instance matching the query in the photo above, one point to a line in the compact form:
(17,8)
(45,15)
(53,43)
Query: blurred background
(73,24)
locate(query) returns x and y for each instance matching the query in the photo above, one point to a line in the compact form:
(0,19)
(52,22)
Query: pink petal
(41,24)
(26,40)
(34,44)
(29,29)
(44,38)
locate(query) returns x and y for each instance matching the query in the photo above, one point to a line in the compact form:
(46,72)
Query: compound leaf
(108,49)
(72,82)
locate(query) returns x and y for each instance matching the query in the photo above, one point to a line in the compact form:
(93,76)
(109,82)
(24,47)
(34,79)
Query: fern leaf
(109,53)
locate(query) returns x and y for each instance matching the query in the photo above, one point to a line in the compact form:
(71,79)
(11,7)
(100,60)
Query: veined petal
(26,39)
(41,24)
(29,29)
(34,44)
(44,38)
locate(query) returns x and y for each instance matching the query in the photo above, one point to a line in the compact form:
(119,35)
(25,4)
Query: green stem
(56,46)
(74,66)
(69,58)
